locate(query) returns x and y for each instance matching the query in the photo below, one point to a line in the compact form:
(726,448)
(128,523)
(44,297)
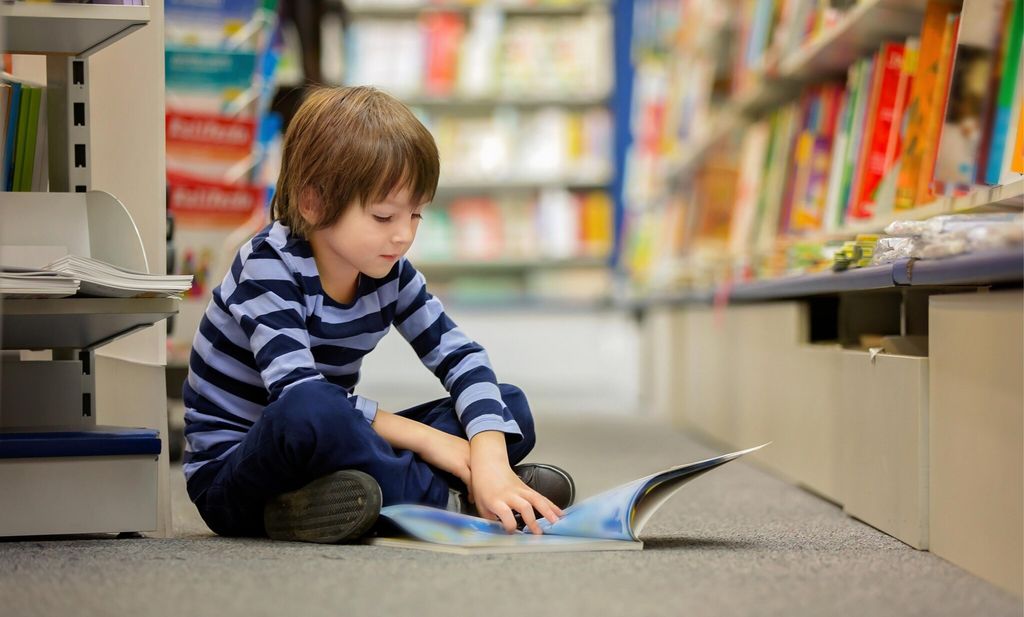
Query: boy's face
(368,240)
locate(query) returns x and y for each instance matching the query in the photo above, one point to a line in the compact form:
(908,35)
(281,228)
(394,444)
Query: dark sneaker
(553,482)
(338,507)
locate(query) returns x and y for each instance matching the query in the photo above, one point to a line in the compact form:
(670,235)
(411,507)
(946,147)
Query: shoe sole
(338,507)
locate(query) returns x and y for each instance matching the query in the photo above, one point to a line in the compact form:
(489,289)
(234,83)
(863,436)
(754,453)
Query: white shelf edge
(72,29)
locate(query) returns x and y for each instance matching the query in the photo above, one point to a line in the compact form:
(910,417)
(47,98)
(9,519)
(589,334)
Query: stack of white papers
(29,283)
(99,278)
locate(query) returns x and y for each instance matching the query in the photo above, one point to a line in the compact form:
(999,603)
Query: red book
(444,37)
(886,107)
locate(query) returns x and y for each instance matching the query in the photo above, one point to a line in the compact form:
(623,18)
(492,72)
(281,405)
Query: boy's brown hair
(352,146)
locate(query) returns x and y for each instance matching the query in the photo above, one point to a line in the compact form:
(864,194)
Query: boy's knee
(519,407)
(309,408)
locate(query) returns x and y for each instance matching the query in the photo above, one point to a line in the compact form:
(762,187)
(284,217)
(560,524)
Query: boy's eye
(417,215)
(381,219)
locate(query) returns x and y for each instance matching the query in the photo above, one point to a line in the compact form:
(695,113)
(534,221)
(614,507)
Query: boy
(276,443)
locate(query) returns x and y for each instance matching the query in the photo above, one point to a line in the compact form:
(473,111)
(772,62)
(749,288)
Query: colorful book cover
(209,69)
(922,94)
(830,216)
(879,129)
(862,92)
(444,32)
(964,117)
(1004,98)
(214,147)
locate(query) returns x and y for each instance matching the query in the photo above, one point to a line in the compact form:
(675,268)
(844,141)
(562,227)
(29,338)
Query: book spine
(32,132)
(879,131)
(12,136)
(1004,99)
(933,122)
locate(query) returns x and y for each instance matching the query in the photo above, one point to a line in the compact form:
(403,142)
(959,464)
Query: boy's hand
(498,490)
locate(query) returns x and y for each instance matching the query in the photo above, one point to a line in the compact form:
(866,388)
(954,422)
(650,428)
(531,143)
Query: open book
(610,521)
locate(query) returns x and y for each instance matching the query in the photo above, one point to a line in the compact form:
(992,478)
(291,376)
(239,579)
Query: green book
(20,134)
(32,132)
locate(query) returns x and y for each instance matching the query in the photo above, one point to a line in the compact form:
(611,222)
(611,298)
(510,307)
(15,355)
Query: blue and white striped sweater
(270,325)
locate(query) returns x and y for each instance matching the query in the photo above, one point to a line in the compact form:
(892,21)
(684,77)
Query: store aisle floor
(735,542)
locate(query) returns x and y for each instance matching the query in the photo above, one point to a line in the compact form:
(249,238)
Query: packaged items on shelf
(24,155)
(945,236)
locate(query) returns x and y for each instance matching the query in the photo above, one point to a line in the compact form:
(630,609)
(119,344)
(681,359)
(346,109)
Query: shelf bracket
(67,97)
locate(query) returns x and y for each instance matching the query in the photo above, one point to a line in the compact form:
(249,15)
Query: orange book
(936,113)
(922,95)
(1017,156)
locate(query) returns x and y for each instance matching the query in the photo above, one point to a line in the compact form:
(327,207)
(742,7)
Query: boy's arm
(459,363)
(438,448)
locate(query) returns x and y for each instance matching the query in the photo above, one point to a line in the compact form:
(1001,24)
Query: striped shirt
(270,325)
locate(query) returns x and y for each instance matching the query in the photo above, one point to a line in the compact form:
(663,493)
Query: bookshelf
(849,373)
(75,370)
(519,98)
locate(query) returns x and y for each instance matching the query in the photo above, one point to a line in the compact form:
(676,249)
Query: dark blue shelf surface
(976,269)
(1005,266)
(101,441)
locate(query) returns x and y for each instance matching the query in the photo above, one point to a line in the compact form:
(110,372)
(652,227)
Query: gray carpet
(735,542)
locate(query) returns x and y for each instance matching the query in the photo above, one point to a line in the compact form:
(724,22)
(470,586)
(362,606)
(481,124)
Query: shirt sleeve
(261,293)
(459,363)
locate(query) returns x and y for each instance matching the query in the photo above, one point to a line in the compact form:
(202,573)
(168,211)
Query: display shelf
(507,266)
(858,279)
(990,267)
(68,29)
(412,9)
(77,323)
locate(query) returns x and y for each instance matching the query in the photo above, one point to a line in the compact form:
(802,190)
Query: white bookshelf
(62,366)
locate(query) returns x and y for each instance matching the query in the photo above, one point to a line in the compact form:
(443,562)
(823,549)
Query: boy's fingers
(505,516)
(547,509)
(526,512)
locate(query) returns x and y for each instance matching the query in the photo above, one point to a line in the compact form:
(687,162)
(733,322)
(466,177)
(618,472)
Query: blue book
(12,129)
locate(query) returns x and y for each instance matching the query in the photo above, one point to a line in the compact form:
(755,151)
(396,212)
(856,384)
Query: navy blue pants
(313,430)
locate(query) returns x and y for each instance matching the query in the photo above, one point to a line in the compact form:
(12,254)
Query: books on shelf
(554,224)
(74,274)
(441,53)
(24,151)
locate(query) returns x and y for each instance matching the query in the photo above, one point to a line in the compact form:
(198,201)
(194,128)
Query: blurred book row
(555,225)
(483,53)
(509,145)
(922,120)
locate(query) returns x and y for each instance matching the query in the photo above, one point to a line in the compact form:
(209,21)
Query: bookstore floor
(734,542)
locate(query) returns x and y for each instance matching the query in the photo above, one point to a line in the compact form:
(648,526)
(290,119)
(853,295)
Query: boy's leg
(440,414)
(311,431)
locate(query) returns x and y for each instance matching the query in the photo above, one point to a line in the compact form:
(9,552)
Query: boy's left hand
(499,492)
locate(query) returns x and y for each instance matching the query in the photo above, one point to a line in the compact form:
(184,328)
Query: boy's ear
(309,205)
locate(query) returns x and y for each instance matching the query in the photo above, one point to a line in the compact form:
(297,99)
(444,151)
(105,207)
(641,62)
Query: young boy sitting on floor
(277,444)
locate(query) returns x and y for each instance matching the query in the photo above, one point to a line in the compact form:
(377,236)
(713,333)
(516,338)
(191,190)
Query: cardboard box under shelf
(883,450)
